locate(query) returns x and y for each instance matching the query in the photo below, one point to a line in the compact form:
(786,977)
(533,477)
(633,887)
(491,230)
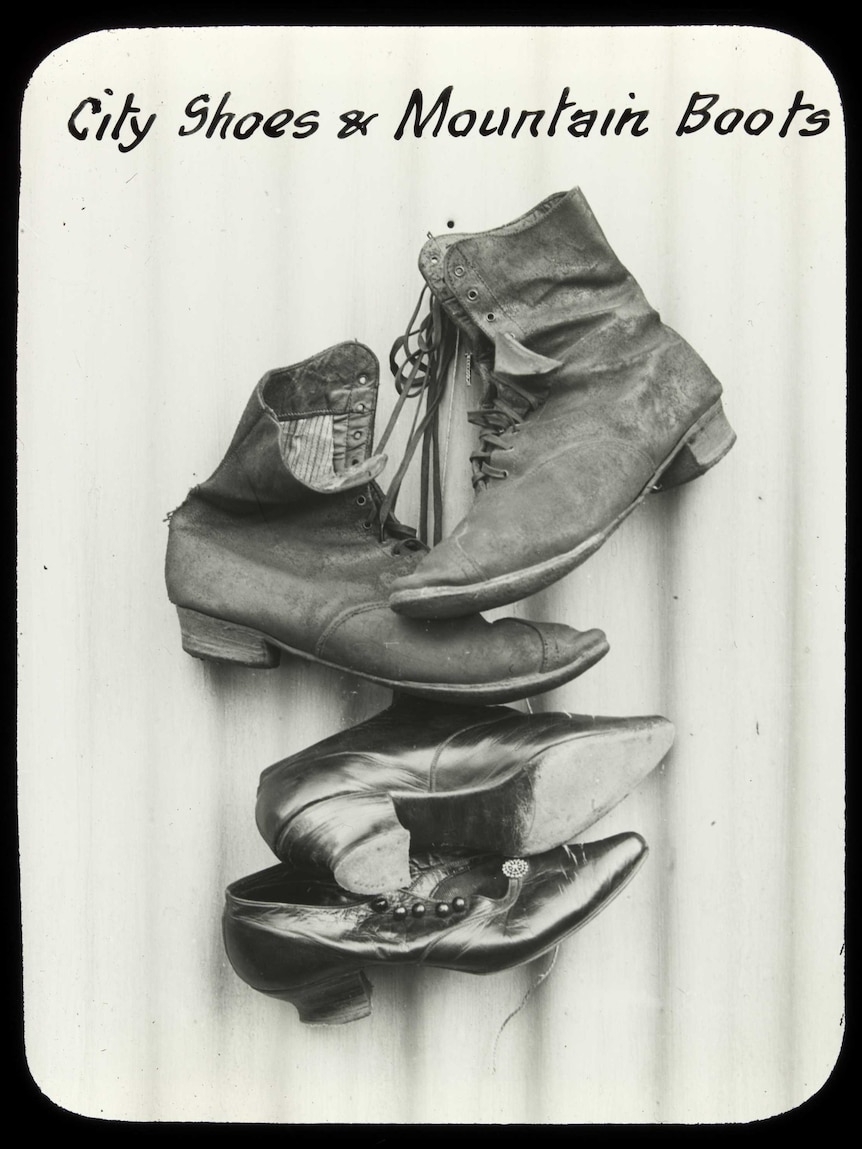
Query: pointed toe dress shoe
(292,933)
(426,774)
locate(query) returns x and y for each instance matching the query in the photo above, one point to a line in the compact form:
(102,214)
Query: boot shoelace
(546,973)
(496,420)
(426,351)
(388,526)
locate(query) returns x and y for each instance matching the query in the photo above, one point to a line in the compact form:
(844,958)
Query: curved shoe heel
(220,641)
(342,997)
(710,441)
(357,836)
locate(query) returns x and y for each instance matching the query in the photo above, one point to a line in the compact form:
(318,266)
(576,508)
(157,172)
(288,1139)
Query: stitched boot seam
(344,616)
(537,630)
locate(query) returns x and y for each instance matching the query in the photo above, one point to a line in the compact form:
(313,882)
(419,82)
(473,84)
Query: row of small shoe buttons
(442,909)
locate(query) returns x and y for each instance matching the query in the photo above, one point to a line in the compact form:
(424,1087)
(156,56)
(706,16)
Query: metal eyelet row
(361,408)
(473,292)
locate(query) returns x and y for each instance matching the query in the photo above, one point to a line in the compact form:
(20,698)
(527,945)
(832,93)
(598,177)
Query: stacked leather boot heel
(291,932)
(590,403)
(289,547)
(424,774)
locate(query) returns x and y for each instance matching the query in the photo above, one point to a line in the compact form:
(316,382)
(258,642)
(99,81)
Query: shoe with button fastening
(428,774)
(288,547)
(590,403)
(292,933)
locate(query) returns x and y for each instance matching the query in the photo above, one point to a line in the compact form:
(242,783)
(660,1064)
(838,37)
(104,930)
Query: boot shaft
(306,428)
(545,302)
(548,276)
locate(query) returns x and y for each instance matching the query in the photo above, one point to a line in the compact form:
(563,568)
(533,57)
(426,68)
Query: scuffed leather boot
(279,551)
(590,403)
(291,933)
(422,774)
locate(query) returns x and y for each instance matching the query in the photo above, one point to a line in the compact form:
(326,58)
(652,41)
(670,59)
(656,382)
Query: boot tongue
(513,358)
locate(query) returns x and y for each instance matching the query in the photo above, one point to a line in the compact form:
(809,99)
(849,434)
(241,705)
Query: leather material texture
(289,931)
(451,776)
(304,569)
(588,396)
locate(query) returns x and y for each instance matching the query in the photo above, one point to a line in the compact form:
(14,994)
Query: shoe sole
(705,444)
(537,807)
(366,839)
(217,640)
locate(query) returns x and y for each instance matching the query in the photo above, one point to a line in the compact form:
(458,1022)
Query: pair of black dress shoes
(435,834)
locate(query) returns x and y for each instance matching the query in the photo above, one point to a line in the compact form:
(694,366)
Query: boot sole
(217,640)
(366,839)
(705,444)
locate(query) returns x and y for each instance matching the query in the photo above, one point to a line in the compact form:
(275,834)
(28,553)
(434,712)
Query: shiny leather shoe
(291,933)
(425,774)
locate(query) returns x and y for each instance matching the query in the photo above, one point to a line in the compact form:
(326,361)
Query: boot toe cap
(563,647)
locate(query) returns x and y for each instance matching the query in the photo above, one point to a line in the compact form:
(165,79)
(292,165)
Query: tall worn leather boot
(590,403)
(423,774)
(283,549)
(292,933)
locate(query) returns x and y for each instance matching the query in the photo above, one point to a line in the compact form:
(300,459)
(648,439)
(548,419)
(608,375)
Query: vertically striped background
(157,286)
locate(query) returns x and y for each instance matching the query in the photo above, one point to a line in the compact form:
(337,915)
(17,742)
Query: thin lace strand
(422,374)
(532,989)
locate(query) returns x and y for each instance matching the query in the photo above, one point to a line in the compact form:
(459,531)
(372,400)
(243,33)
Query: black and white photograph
(431,574)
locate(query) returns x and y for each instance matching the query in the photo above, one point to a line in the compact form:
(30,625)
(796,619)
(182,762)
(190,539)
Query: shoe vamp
(408,650)
(552,902)
(550,504)
(516,928)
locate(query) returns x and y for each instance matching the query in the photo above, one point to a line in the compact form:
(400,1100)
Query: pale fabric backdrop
(156,287)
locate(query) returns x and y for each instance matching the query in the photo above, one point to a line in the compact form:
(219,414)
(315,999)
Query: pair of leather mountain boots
(395,837)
